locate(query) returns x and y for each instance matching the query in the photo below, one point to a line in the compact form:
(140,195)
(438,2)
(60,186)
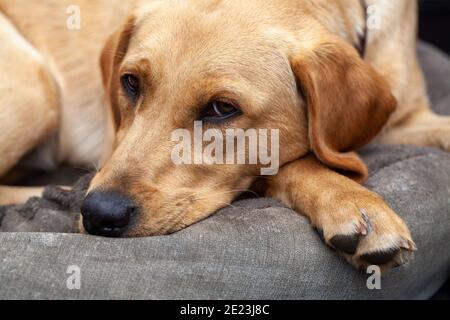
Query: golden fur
(291,65)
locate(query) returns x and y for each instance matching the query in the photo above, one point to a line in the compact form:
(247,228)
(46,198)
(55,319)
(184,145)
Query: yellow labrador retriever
(330,79)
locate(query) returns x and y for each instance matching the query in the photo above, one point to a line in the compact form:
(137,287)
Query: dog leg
(423,129)
(29,105)
(351,219)
(29,99)
(413,122)
(18,195)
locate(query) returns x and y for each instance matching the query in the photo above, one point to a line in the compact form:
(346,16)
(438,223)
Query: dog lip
(104,231)
(112,232)
(109,232)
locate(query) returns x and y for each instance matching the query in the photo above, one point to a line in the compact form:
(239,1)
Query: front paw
(366,231)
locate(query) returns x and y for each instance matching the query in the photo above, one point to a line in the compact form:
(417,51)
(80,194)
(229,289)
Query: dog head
(177,64)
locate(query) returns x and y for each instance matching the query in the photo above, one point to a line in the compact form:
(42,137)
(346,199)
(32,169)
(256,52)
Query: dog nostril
(133,211)
(107,213)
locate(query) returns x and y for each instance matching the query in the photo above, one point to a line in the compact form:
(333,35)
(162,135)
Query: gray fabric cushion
(257,249)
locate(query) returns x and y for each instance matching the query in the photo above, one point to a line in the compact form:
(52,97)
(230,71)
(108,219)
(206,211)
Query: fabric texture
(255,249)
(56,211)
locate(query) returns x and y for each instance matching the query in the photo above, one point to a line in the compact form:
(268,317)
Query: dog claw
(368,224)
(411,246)
(363,229)
(408,245)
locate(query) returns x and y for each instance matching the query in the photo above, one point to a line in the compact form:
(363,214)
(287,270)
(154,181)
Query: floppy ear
(112,56)
(348,103)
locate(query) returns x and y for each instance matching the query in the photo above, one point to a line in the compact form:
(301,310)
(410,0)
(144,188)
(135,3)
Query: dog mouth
(142,210)
(104,231)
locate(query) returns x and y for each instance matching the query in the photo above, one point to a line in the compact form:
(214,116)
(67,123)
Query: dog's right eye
(218,111)
(131,85)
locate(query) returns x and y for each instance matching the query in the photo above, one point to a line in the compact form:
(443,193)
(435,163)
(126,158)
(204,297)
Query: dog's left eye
(131,85)
(217,111)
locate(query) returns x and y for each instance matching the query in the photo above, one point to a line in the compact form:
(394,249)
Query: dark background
(435,22)
(435,28)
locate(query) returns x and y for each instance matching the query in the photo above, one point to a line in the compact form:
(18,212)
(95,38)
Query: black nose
(107,213)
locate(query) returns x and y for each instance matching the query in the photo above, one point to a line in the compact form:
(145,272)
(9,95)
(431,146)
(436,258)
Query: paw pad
(381,257)
(346,243)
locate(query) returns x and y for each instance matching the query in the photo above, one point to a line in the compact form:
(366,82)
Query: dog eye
(131,85)
(217,111)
